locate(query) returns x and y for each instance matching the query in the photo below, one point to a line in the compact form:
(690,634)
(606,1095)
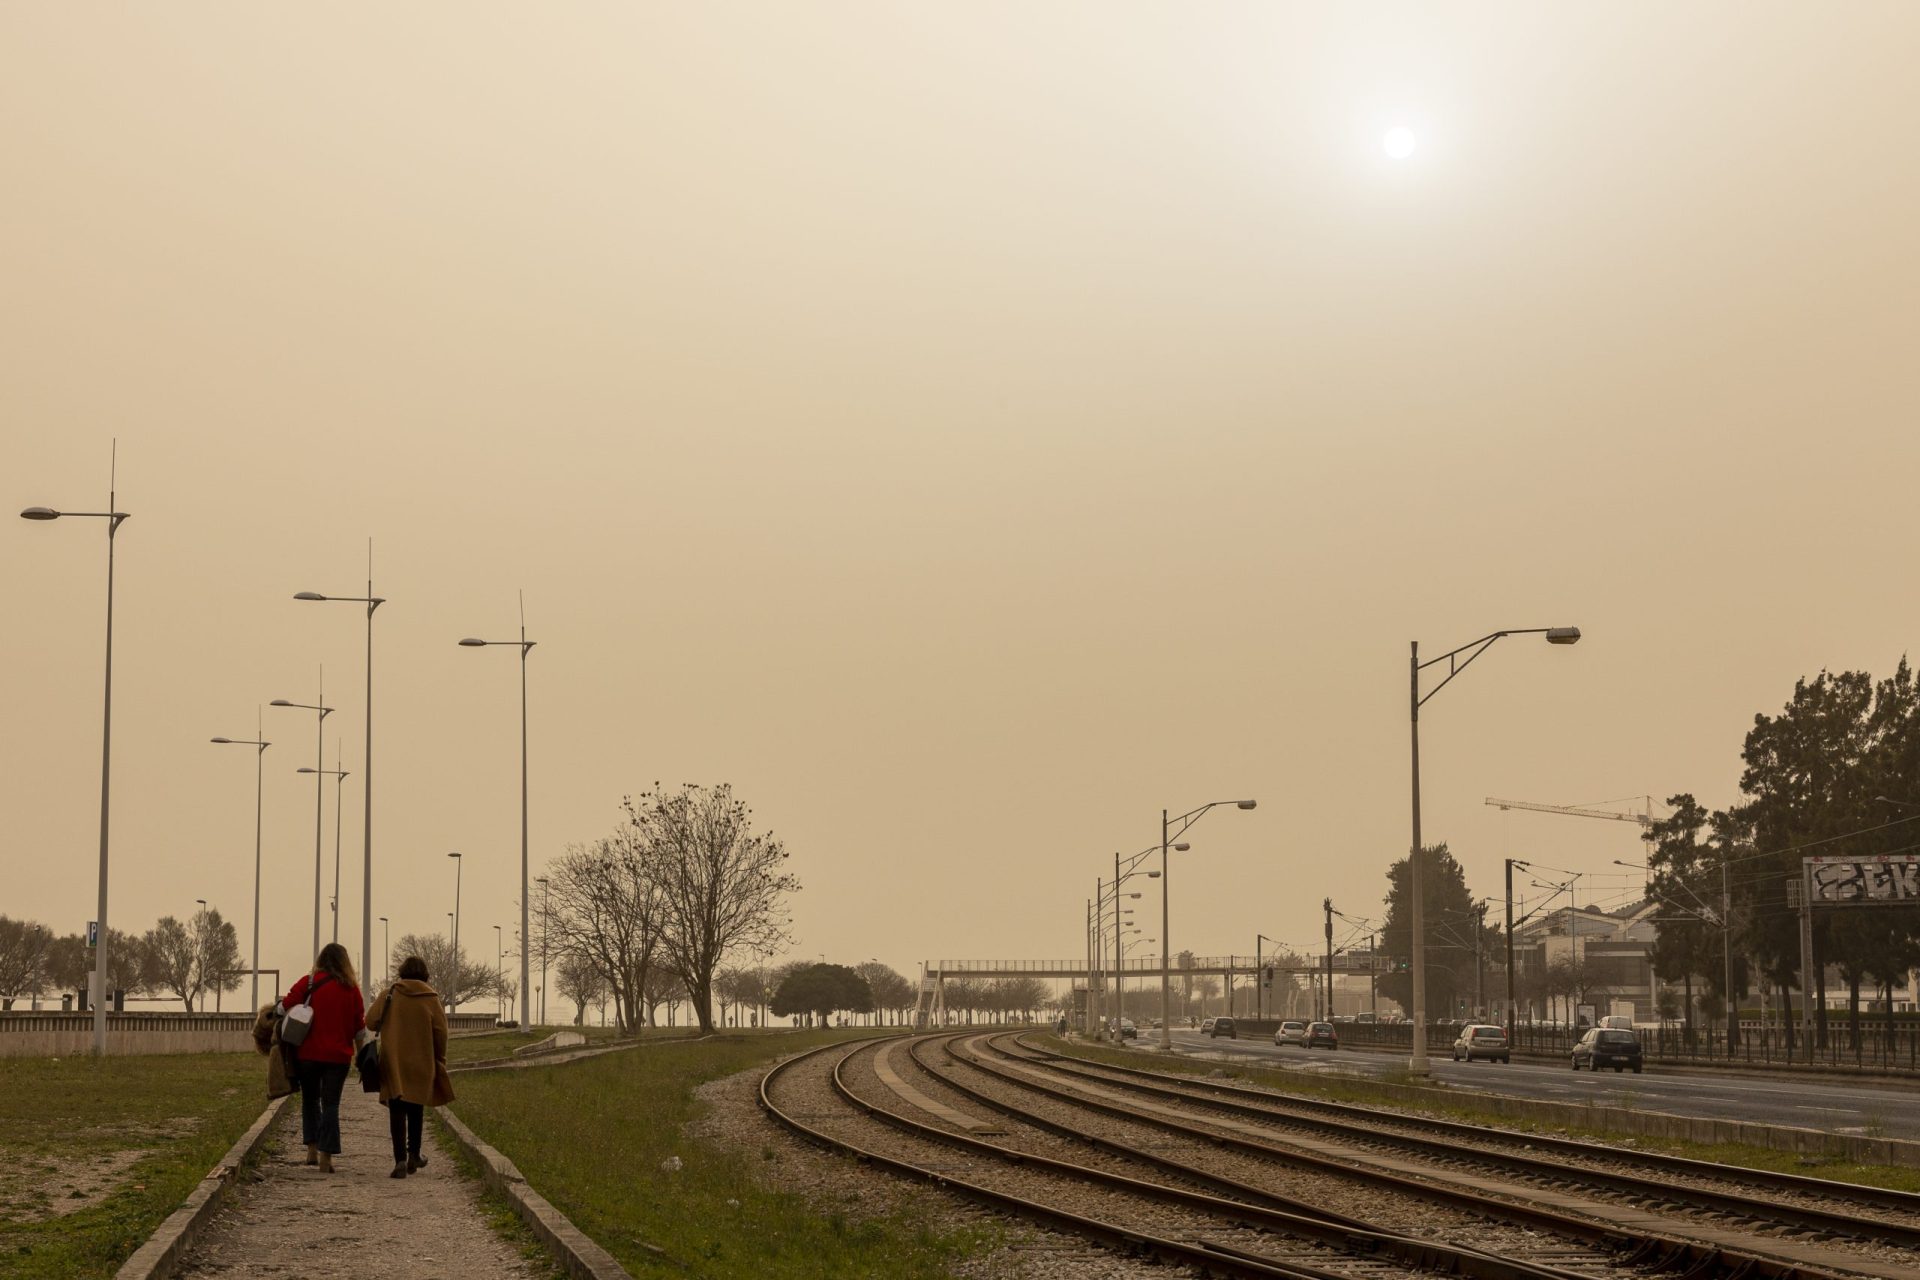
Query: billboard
(1838,880)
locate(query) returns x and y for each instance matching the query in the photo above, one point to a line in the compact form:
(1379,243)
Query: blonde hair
(333,960)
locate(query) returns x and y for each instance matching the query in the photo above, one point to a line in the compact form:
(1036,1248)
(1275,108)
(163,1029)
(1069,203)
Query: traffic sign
(93,933)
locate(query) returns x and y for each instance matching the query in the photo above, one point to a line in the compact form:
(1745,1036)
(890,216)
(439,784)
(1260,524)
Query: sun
(1399,142)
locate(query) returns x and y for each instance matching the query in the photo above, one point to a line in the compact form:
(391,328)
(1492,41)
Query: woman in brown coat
(413,1059)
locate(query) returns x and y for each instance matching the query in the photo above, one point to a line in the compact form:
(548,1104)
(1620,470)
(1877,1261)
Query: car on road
(1291,1033)
(1128,1031)
(1206,1027)
(1223,1027)
(1607,1047)
(1482,1040)
(1321,1035)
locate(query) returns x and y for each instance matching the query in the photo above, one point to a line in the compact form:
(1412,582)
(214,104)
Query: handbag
(367,1060)
(299,1019)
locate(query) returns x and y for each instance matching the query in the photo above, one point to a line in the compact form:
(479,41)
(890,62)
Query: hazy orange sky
(966,429)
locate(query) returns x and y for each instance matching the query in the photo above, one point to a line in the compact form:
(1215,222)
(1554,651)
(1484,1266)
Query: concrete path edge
(160,1255)
(582,1258)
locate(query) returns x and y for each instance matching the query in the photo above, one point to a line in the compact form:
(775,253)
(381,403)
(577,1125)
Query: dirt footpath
(297,1221)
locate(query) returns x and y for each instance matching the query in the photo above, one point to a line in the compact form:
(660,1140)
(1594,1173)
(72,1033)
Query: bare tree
(723,885)
(174,959)
(24,947)
(581,982)
(891,992)
(605,907)
(216,952)
(457,980)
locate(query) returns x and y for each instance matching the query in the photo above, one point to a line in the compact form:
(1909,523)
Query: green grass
(591,1136)
(161,1121)
(1454,1106)
(501,1044)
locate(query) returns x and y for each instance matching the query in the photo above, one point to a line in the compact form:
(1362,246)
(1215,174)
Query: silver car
(1291,1033)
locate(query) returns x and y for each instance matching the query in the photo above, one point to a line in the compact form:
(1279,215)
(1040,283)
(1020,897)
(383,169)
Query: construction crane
(1644,818)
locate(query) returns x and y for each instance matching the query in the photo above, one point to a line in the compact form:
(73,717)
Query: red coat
(338,1016)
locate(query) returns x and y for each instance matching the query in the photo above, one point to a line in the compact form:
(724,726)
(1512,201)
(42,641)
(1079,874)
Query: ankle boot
(313,1154)
(416,1161)
(326,1162)
(399,1169)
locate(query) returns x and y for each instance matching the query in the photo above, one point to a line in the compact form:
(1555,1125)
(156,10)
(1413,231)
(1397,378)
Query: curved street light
(319,758)
(1171,828)
(339,777)
(260,746)
(523,644)
(1456,663)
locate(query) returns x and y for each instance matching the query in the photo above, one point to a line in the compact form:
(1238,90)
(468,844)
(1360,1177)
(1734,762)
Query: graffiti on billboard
(1887,879)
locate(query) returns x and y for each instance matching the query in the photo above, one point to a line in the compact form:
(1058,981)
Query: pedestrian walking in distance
(334,1018)
(413,1059)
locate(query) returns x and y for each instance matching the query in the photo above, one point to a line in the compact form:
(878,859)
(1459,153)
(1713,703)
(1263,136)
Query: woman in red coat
(338,1017)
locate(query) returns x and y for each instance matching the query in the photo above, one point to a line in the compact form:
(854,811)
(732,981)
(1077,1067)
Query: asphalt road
(1833,1106)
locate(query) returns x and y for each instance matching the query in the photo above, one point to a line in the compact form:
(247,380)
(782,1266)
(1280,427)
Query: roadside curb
(582,1258)
(161,1254)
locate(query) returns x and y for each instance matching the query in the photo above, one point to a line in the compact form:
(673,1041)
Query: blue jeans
(320,1085)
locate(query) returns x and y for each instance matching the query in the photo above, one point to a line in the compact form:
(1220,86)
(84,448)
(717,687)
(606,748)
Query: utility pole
(1373,975)
(1510,1018)
(1726,957)
(1326,905)
(1479,966)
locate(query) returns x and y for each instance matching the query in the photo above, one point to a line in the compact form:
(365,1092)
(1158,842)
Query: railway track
(1848,1216)
(1521,1192)
(1192,1211)
(1218,1235)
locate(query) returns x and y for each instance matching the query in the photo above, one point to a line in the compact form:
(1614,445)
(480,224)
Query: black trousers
(320,1084)
(403,1122)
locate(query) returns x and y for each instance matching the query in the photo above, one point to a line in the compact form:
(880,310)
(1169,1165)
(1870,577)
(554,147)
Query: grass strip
(600,1139)
(96,1152)
(1457,1106)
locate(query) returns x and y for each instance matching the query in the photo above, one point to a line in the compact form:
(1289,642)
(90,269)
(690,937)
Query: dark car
(1606,1047)
(1223,1027)
(1321,1035)
(1482,1040)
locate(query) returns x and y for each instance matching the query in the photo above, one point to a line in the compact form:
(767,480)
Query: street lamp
(114,518)
(386,948)
(1455,665)
(454,915)
(524,645)
(1171,828)
(320,760)
(340,785)
(366,763)
(542,882)
(499,972)
(259,756)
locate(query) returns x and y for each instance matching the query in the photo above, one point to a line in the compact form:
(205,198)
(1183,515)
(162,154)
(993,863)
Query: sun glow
(1399,142)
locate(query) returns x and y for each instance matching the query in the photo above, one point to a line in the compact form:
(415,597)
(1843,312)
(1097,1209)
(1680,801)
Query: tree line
(187,960)
(1834,772)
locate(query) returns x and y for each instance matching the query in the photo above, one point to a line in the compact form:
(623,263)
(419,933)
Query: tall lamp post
(319,760)
(1120,877)
(114,518)
(339,777)
(524,645)
(542,882)
(499,972)
(1456,663)
(260,746)
(386,950)
(454,915)
(1171,828)
(366,760)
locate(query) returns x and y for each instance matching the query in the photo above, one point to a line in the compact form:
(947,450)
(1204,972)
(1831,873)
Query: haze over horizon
(964,431)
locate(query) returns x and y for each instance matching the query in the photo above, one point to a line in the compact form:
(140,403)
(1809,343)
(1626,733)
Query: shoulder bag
(299,1019)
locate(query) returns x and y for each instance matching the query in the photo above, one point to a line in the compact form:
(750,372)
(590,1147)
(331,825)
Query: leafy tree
(723,885)
(1451,919)
(823,989)
(23,959)
(890,991)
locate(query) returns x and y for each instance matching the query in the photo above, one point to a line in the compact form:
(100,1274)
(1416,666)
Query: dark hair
(333,960)
(415,968)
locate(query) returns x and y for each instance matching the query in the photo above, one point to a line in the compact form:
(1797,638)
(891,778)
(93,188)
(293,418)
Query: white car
(1291,1033)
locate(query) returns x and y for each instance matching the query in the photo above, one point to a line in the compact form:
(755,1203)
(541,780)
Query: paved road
(1833,1106)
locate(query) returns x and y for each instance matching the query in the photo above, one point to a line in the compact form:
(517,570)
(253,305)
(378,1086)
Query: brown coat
(413,1044)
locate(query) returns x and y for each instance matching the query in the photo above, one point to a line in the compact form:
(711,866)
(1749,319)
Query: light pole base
(1419,1066)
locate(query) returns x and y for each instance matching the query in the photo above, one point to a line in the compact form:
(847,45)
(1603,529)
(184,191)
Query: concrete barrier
(63,1035)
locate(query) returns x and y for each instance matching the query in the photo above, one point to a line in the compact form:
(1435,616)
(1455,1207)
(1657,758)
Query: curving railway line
(1233,1181)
